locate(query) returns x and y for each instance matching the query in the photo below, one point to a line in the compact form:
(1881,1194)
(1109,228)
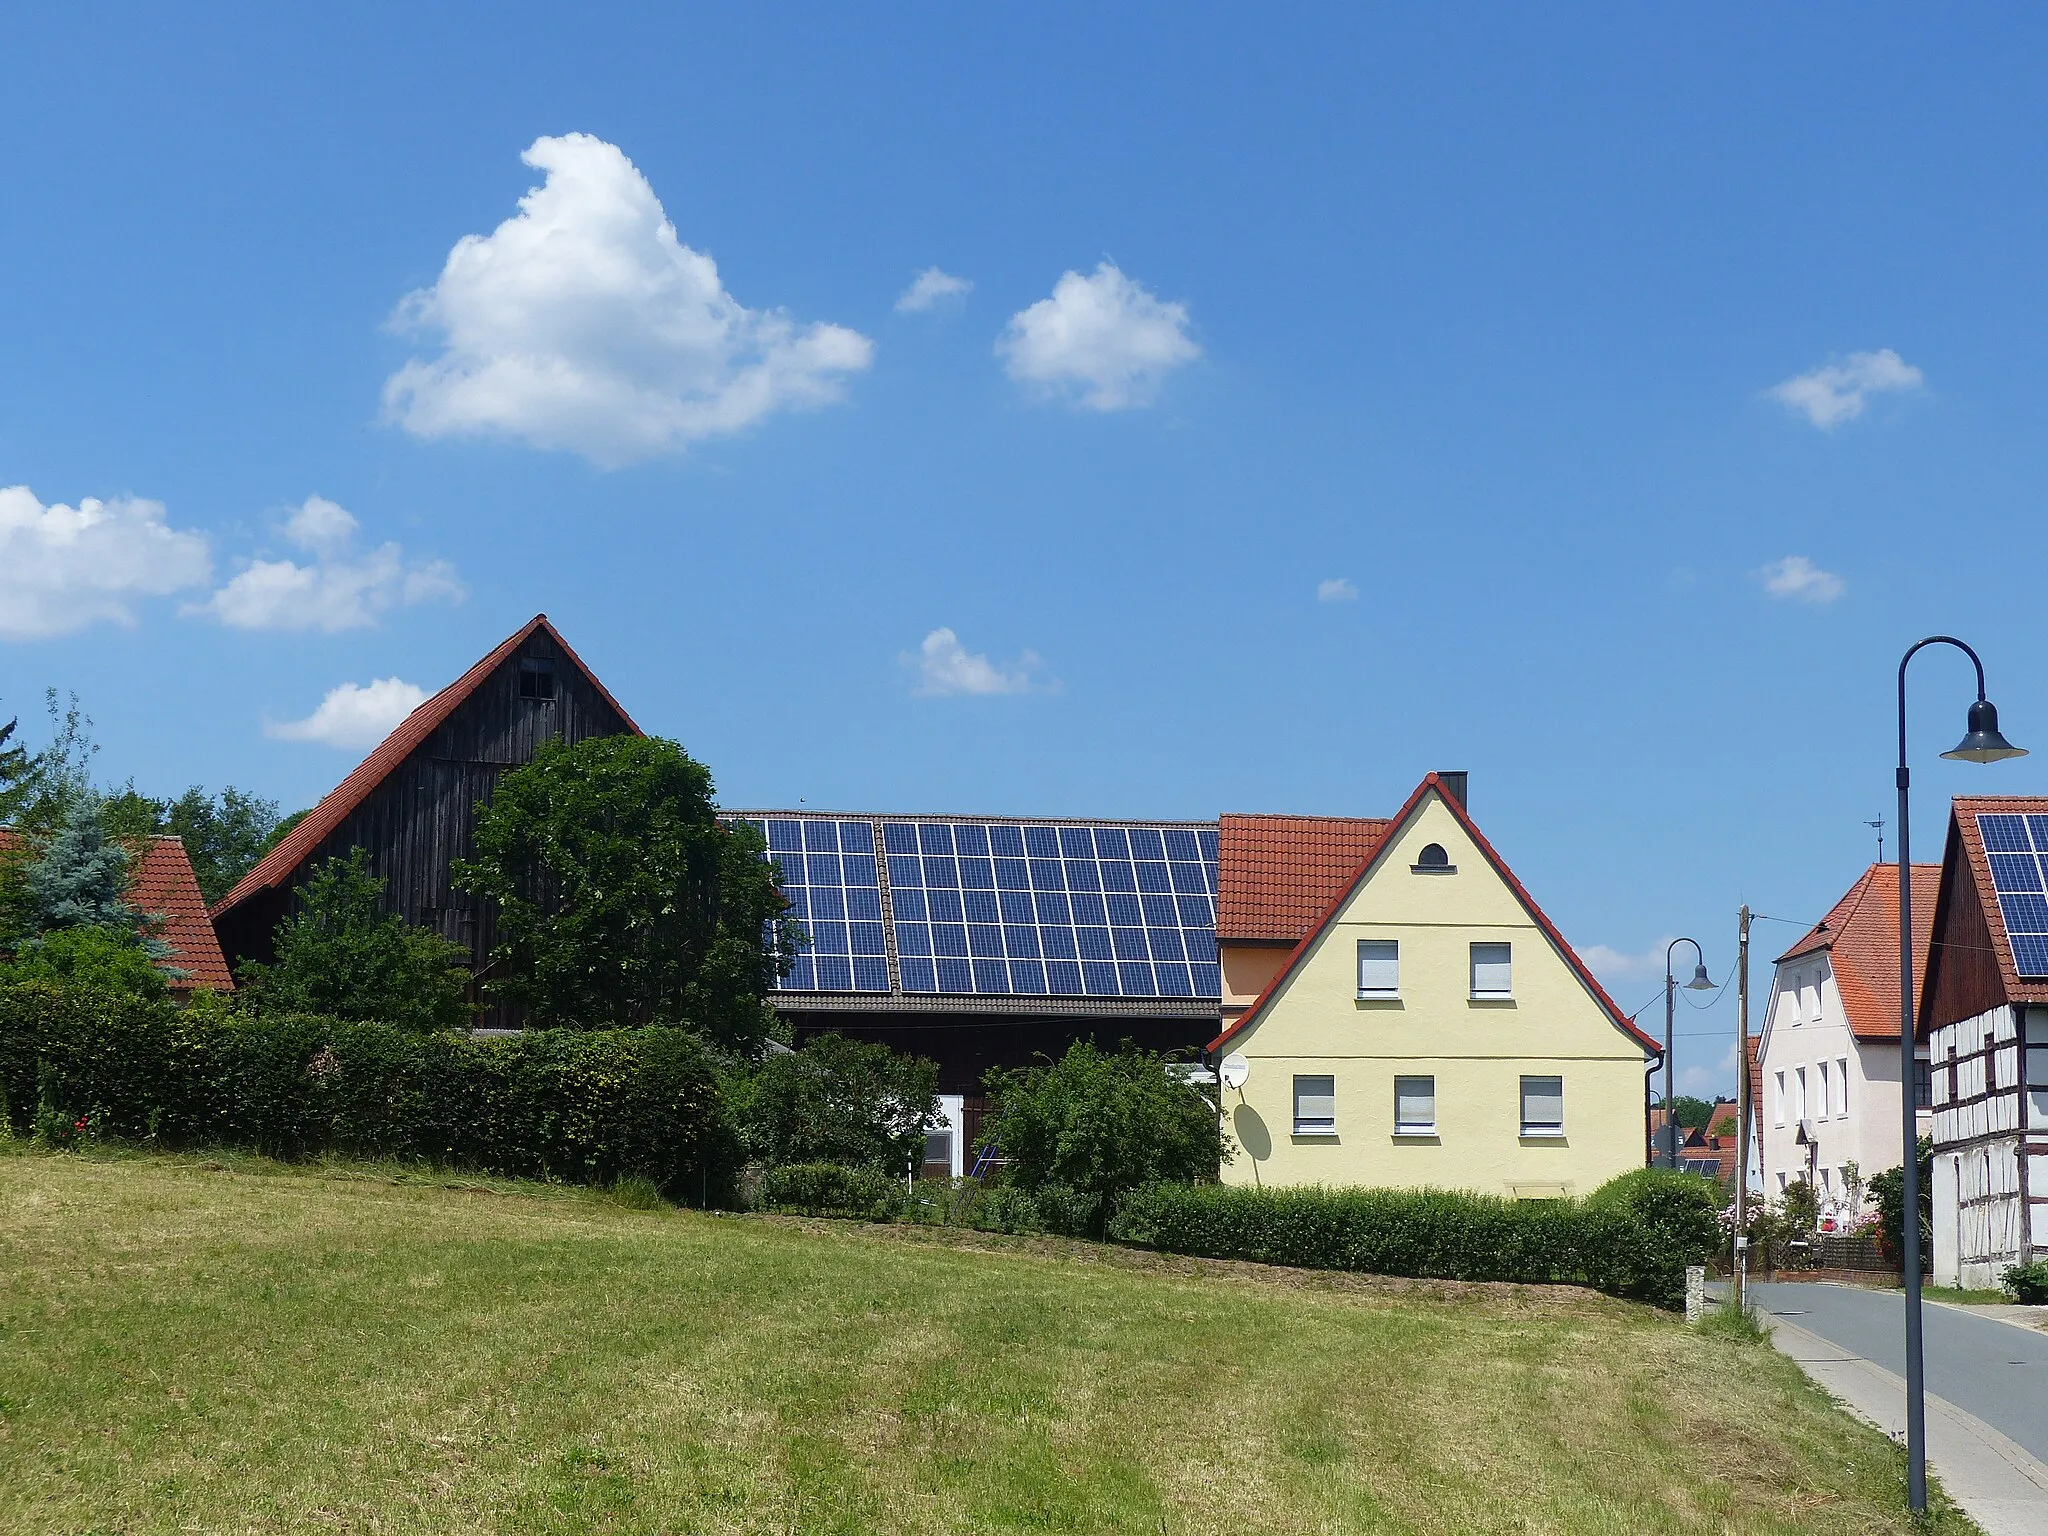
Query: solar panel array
(1003,909)
(2017,847)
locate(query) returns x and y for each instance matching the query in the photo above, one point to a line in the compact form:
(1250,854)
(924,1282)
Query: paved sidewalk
(2002,1486)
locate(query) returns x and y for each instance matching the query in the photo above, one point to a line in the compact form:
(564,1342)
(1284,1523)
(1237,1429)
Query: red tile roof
(161,884)
(1860,937)
(1275,874)
(1434,782)
(283,861)
(1966,810)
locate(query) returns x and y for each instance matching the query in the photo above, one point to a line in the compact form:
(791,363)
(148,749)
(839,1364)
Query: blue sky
(1477,311)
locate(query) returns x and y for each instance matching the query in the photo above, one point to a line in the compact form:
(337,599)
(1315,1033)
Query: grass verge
(223,1344)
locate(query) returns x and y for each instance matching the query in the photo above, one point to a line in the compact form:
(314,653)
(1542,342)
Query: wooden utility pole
(1740,1241)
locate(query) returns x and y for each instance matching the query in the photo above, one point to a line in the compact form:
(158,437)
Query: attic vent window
(1433,861)
(536,678)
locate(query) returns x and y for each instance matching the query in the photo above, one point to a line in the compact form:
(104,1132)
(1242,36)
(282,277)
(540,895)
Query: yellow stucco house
(1434,1029)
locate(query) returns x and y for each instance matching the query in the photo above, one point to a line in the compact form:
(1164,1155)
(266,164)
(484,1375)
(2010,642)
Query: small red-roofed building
(162,886)
(1828,1057)
(1428,1026)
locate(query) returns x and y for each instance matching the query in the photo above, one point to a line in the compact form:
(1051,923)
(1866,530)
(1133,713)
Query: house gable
(412,803)
(1434,918)
(1964,977)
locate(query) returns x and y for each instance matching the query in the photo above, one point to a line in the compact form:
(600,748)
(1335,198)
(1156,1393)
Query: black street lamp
(1700,983)
(1982,744)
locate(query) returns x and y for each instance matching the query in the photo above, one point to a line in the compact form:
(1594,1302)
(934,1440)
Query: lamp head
(1700,981)
(1984,744)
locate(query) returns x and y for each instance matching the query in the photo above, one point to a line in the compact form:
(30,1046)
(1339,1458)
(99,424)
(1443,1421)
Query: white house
(1828,1060)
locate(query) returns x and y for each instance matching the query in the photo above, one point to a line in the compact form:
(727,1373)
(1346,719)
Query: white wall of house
(1990,1090)
(1844,1090)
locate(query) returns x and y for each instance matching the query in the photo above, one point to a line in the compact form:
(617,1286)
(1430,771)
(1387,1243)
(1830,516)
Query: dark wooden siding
(1963,978)
(422,818)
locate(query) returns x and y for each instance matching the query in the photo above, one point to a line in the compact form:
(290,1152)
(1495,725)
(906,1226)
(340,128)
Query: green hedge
(831,1189)
(587,1106)
(1632,1239)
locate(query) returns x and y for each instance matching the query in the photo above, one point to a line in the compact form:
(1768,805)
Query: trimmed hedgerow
(831,1189)
(587,1106)
(1634,1242)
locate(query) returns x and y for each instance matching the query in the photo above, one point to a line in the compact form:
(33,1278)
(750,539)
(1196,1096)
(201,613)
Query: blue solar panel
(1001,908)
(2017,847)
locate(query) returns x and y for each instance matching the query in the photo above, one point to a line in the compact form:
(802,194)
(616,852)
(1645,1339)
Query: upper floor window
(1841,1087)
(1433,861)
(1923,1083)
(1820,1103)
(1379,968)
(1493,970)
(536,678)
(1778,1099)
(1414,1106)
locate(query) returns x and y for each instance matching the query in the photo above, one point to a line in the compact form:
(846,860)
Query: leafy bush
(1888,1189)
(1097,1123)
(1683,1208)
(2027,1284)
(1635,1241)
(841,1101)
(344,956)
(591,1107)
(110,959)
(831,1189)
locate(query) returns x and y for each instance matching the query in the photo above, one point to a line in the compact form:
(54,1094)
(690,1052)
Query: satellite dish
(1235,1070)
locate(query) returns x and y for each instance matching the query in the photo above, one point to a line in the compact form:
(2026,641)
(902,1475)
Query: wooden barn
(412,803)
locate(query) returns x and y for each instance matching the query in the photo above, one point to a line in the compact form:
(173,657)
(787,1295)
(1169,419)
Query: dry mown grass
(234,1347)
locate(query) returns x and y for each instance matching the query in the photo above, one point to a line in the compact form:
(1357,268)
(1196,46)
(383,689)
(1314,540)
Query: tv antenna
(1878,827)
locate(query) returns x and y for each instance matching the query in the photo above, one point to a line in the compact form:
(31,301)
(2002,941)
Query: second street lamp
(1700,982)
(1982,744)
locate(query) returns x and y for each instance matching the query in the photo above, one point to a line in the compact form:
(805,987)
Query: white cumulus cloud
(339,588)
(1338,589)
(1606,961)
(1838,391)
(945,667)
(1101,341)
(931,288)
(1797,579)
(62,567)
(354,715)
(583,323)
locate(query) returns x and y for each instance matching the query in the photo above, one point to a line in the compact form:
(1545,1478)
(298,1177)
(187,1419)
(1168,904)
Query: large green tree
(622,899)
(343,955)
(224,835)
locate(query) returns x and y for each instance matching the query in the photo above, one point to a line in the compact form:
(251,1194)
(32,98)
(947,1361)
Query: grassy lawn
(195,1346)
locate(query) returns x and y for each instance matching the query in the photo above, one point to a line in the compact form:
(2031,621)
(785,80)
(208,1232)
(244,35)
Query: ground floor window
(1542,1106)
(1315,1106)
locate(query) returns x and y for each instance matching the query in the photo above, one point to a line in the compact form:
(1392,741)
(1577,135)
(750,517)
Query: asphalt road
(1990,1369)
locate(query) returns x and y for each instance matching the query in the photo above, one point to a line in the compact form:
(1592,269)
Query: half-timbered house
(1984,1017)
(411,804)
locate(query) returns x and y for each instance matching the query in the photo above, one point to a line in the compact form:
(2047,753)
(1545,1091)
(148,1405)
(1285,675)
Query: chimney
(1453,780)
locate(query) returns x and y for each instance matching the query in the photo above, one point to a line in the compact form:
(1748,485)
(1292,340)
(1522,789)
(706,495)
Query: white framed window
(1778,1100)
(1820,1103)
(1414,1106)
(2037,1084)
(1841,1087)
(1493,970)
(1379,968)
(1813,996)
(1783,1181)
(1542,1106)
(1799,1093)
(1315,1106)
(938,1147)
(1795,1001)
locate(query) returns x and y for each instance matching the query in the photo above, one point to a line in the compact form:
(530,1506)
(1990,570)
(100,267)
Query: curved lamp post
(1982,744)
(1700,982)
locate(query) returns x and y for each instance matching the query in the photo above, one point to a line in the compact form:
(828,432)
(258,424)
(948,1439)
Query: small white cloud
(931,288)
(1837,392)
(1797,579)
(1338,589)
(1605,961)
(338,590)
(1101,341)
(62,568)
(945,667)
(583,323)
(355,715)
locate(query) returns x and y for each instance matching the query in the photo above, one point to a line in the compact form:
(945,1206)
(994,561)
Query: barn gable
(412,802)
